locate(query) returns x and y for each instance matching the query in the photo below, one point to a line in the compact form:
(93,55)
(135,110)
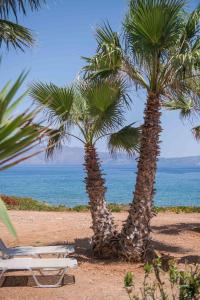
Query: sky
(64,31)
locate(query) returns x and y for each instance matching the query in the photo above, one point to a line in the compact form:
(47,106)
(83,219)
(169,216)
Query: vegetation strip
(26,203)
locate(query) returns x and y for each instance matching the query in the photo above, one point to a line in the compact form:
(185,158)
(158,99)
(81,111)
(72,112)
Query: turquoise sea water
(64,185)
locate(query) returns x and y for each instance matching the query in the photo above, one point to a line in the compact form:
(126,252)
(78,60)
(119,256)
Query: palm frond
(110,58)
(185,106)
(153,25)
(55,138)
(17,36)
(18,133)
(126,139)
(105,100)
(8,7)
(56,101)
(4,217)
(192,28)
(196,132)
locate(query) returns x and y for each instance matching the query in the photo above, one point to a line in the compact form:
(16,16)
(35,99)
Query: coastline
(29,204)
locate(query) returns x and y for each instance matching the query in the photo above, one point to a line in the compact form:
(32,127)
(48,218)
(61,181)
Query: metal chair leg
(57,284)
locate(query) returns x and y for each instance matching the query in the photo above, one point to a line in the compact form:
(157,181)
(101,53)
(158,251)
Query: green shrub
(27,203)
(177,209)
(20,203)
(80,208)
(128,279)
(113,207)
(172,283)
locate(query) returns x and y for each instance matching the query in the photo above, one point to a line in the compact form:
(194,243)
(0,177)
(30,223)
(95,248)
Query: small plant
(170,284)
(80,208)
(128,283)
(113,207)
(128,279)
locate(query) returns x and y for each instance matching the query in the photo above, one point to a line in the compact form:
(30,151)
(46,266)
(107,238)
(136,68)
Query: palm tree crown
(161,49)
(95,107)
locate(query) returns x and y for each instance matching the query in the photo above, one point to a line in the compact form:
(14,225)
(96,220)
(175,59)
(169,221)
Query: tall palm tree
(11,33)
(95,109)
(161,55)
(18,134)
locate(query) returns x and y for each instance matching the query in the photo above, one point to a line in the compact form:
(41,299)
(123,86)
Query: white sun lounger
(34,265)
(60,250)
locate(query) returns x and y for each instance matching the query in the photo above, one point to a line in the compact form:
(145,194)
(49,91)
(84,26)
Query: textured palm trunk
(135,240)
(103,227)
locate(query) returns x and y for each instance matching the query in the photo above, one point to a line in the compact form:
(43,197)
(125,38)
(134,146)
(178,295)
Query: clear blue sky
(64,31)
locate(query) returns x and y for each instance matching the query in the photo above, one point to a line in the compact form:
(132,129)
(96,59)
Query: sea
(65,184)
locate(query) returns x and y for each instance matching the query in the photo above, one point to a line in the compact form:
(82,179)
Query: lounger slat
(34,263)
(40,250)
(63,250)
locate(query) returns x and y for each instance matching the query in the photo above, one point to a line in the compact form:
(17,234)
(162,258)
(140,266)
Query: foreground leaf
(6,219)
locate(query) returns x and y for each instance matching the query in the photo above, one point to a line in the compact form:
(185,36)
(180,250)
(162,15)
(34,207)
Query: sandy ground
(174,234)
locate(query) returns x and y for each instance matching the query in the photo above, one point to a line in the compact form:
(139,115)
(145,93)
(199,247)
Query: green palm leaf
(4,217)
(15,35)
(57,101)
(14,6)
(184,106)
(18,134)
(105,100)
(126,139)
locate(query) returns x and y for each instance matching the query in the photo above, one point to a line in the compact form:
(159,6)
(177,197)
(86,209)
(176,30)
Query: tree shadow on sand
(83,251)
(190,259)
(175,229)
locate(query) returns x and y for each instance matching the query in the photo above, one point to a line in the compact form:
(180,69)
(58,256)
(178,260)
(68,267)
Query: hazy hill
(75,155)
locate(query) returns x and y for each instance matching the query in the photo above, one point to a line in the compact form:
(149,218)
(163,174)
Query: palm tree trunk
(102,221)
(135,239)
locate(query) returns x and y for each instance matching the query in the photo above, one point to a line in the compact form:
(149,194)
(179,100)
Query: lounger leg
(57,284)
(43,271)
(2,273)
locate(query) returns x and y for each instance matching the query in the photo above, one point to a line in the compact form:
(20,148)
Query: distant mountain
(75,156)
(189,161)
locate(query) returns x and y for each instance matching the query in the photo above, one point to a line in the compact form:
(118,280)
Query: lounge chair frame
(38,284)
(42,266)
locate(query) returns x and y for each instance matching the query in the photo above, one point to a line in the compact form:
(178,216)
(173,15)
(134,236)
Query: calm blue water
(64,185)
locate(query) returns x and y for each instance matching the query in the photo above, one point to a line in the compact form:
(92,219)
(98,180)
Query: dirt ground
(175,234)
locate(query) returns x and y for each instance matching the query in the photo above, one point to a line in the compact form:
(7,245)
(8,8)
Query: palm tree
(11,33)
(18,134)
(95,109)
(160,55)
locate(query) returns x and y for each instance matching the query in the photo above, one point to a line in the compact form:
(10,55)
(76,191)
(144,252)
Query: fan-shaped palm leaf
(184,106)
(56,101)
(12,34)
(126,139)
